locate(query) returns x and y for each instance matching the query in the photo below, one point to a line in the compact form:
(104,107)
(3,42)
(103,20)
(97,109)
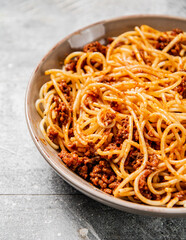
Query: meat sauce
(162,42)
(93,168)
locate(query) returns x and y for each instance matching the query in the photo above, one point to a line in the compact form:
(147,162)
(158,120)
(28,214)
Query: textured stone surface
(35,203)
(61,217)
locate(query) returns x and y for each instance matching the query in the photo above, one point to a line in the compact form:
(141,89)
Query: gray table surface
(35,203)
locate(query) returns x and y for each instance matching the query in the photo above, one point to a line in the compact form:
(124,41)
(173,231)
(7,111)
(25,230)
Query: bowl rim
(68,175)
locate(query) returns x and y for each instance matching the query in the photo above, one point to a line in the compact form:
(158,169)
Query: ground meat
(63,86)
(162,42)
(123,132)
(135,159)
(119,44)
(181,195)
(110,40)
(122,135)
(154,145)
(71,133)
(71,66)
(111,146)
(116,106)
(152,162)
(80,165)
(181,89)
(73,146)
(58,101)
(175,50)
(52,134)
(143,187)
(183,185)
(95,47)
(95,170)
(63,115)
(90,151)
(94,94)
(62,111)
(83,171)
(176,31)
(108,191)
(109,118)
(138,159)
(133,55)
(146,59)
(103,177)
(71,159)
(137,163)
(107,79)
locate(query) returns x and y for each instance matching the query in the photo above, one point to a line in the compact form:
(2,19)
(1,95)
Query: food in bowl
(117,115)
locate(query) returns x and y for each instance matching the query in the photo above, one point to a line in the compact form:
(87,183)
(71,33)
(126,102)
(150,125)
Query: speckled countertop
(35,203)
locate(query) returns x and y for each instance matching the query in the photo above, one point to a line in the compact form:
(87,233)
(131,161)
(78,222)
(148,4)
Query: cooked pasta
(117,115)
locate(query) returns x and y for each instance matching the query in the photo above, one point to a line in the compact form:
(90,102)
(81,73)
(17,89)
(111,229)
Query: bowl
(98,31)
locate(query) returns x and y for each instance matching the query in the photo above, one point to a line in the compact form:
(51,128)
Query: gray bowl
(98,31)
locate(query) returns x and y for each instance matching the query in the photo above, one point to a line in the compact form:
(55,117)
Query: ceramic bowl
(75,41)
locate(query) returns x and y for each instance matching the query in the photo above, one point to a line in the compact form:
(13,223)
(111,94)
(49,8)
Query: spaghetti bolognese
(117,114)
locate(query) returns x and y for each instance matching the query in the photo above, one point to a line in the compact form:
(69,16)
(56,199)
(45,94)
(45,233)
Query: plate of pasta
(106,107)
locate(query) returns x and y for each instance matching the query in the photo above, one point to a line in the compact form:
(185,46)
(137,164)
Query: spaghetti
(117,113)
